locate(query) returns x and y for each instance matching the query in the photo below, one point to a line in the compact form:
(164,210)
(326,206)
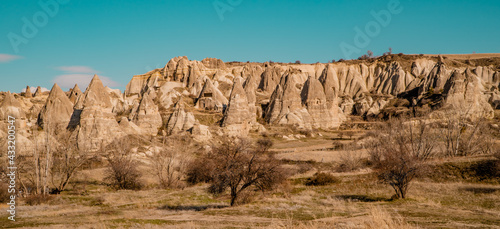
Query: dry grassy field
(450,195)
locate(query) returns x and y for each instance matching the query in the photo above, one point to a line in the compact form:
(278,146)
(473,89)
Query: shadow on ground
(362,198)
(192,207)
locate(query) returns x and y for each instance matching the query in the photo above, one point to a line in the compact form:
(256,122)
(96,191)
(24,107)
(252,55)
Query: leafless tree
(240,165)
(399,152)
(123,170)
(169,164)
(67,159)
(465,135)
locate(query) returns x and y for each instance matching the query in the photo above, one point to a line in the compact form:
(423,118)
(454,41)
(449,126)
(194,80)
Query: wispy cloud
(77,69)
(4,58)
(83,80)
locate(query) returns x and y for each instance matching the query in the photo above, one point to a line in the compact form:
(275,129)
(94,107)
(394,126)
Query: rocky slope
(180,97)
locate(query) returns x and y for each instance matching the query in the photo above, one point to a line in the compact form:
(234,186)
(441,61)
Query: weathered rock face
(28,93)
(436,79)
(211,98)
(97,125)
(180,120)
(57,111)
(38,91)
(146,115)
(314,99)
(213,63)
(201,133)
(238,110)
(464,92)
(306,95)
(75,94)
(270,78)
(11,106)
(285,105)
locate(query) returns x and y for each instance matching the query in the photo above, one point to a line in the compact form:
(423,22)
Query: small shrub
(199,170)
(123,173)
(37,199)
(97,201)
(4,193)
(321,178)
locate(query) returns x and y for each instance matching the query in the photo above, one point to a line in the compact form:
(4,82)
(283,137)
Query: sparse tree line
(399,149)
(398,152)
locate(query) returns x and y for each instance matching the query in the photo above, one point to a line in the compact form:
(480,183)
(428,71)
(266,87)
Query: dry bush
(399,152)
(169,164)
(238,164)
(67,159)
(321,178)
(464,135)
(123,170)
(350,159)
(4,192)
(37,199)
(199,171)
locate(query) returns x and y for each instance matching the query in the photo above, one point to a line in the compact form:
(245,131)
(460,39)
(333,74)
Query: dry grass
(357,201)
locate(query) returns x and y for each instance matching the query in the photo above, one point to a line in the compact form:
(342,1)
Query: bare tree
(370,53)
(169,163)
(67,159)
(123,170)
(399,152)
(240,165)
(465,135)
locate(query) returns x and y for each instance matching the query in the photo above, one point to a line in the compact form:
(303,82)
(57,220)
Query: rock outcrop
(28,93)
(146,115)
(285,105)
(75,94)
(180,120)
(211,98)
(97,125)
(463,92)
(11,106)
(240,114)
(57,111)
(270,78)
(38,92)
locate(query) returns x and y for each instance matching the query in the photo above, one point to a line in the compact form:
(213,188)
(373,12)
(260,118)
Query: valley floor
(357,201)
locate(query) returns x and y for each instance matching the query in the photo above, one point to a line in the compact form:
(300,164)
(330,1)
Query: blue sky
(119,39)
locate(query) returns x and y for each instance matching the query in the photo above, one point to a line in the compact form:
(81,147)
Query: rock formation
(38,92)
(270,78)
(75,93)
(463,92)
(180,120)
(11,106)
(28,93)
(211,98)
(146,116)
(57,111)
(97,124)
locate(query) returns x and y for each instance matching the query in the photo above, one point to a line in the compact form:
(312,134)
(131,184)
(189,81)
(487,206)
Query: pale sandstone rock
(211,98)
(57,110)
(180,120)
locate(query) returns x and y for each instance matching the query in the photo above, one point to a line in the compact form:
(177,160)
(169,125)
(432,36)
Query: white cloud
(77,69)
(33,89)
(4,58)
(83,80)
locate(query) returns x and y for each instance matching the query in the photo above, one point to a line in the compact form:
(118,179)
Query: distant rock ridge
(236,98)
